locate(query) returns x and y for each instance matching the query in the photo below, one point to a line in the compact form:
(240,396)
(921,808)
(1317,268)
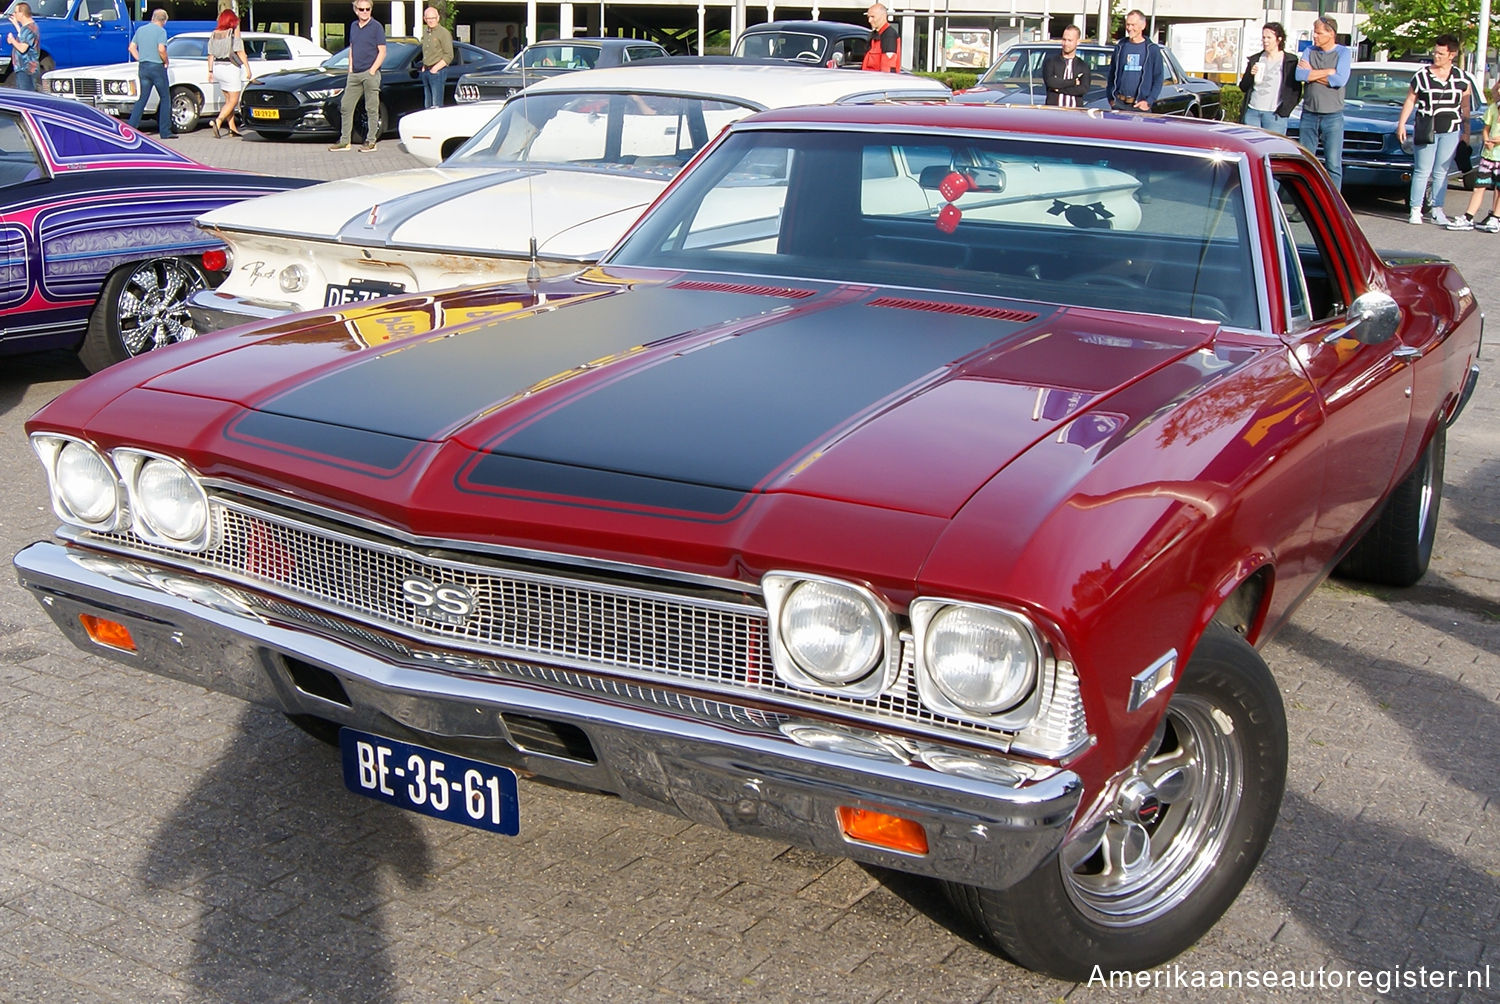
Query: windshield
(187,48)
(994,215)
(781,45)
(396,54)
(561,55)
(46,8)
(657,133)
(1018,65)
(1378,86)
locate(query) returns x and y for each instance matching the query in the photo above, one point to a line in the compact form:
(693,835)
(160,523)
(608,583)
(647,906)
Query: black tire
(142,306)
(187,109)
(1397,548)
(1196,826)
(451,146)
(362,132)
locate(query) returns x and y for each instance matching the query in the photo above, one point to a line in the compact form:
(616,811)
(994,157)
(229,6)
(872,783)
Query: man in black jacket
(1065,74)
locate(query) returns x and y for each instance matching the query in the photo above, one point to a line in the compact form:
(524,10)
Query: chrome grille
(87,87)
(566,622)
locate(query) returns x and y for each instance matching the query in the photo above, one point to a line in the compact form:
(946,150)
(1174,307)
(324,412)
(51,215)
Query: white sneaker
(1461,222)
(1439,217)
(1416,217)
(1490,224)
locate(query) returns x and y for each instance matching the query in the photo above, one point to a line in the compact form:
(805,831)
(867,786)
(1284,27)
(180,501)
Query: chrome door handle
(1407,352)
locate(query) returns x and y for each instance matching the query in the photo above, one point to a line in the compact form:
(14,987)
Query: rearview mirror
(1374,317)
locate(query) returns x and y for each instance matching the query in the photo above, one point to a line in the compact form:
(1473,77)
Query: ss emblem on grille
(443,602)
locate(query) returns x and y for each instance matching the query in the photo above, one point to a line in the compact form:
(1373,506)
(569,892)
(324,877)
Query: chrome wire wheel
(1168,827)
(151,306)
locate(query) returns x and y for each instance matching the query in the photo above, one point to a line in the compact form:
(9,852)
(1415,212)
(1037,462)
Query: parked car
(307,102)
(85,33)
(541,60)
(114,88)
(597,147)
(878,493)
(1373,156)
(820,43)
(98,251)
(1016,79)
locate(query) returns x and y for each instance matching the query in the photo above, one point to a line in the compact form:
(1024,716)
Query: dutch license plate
(265,113)
(435,784)
(359,289)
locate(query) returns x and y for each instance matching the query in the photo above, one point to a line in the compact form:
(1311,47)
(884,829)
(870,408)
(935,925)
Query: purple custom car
(98,251)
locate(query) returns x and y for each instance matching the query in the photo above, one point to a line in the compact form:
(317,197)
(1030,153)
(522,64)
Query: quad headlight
(829,636)
(124,88)
(167,503)
(85,490)
(976,662)
(60,85)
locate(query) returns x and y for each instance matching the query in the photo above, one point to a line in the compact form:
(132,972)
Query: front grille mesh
(561,621)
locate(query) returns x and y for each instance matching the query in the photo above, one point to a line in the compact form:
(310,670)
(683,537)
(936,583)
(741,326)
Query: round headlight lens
(831,632)
(171,502)
(86,485)
(293,279)
(984,661)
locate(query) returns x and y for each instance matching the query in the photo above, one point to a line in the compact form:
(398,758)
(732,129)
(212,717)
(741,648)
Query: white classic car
(551,181)
(114,88)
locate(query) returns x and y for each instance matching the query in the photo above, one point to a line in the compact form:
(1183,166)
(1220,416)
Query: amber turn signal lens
(883,830)
(110,634)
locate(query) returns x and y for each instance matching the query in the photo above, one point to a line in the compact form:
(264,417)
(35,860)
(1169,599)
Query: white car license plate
(435,784)
(355,290)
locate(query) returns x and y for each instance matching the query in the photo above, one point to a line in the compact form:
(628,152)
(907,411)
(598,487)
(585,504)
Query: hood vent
(732,287)
(966,310)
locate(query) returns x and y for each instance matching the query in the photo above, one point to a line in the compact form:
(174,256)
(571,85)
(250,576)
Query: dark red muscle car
(912,483)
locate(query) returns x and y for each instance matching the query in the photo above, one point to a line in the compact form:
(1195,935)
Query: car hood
(575,214)
(666,397)
(292,80)
(1011,92)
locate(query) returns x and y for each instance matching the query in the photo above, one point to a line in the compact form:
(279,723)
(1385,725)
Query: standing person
(149,49)
(25,48)
(1135,71)
(437,56)
(1065,74)
(510,44)
(1443,94)
(884,55)
(1489,172)
(366,53)
(1324,71)
(226,67)
(1270,83)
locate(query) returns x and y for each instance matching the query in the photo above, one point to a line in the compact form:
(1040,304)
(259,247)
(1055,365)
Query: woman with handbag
(1270,83)
(1438,105)
(226,67)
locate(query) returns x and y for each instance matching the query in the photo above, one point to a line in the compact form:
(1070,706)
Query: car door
(21,172)
(1365,389)
(107,35)
(1175,97)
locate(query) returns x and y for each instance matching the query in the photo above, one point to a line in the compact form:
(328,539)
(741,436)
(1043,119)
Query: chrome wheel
(1168,827)
(151,306)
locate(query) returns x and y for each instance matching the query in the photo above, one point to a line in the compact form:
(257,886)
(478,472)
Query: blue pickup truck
(86,33)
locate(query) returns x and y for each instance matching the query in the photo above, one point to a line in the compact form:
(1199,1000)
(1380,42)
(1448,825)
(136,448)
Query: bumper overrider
(744,771)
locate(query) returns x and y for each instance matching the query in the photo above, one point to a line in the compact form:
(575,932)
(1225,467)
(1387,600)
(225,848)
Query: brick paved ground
(162,843)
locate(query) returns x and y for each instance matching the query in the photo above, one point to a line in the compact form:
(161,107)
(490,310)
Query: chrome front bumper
(727,773)
(212,310)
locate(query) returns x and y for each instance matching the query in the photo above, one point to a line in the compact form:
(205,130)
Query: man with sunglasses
(366,53)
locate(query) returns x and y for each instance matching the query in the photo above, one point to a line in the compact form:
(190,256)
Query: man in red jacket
(885,43)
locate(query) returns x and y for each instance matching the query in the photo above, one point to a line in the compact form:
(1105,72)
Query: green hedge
(954,79)
(1234,102)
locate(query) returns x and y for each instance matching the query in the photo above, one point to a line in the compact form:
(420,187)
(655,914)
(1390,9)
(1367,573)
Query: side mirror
(1373,318)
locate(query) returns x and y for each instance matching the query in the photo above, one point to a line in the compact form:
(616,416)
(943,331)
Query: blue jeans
(1432,161)
(153,77)
(432,87)
(1327,127)
(1269,121)
(27,81)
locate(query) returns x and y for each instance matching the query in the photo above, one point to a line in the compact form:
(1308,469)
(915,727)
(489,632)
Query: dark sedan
(822,43)
(306,102)
(552,59)
(1016,79)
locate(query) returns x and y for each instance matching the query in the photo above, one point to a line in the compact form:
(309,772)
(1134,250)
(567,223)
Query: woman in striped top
(1445,93)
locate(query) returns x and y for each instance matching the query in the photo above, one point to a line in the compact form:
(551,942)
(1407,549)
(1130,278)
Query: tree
(1409,26)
